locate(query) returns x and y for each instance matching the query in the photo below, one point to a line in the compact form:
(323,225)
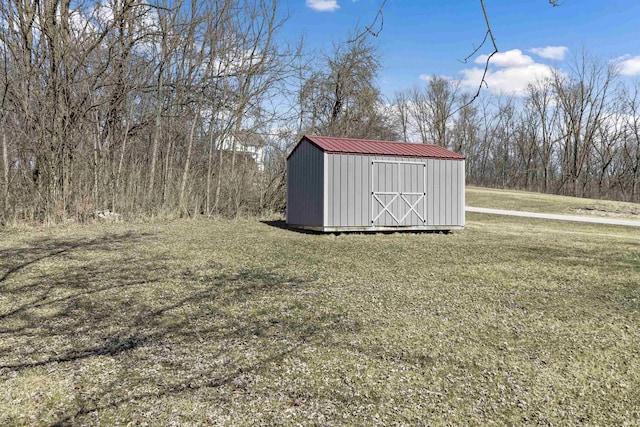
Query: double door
(398,193)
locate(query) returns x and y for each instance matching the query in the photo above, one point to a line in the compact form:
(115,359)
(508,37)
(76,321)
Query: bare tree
(402,107)
(4,213)
(343,100)
(466,130)
(583,97)
(631,142)
(540,101)
(436,105)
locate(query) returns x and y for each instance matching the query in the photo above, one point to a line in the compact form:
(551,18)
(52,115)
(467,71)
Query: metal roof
(379,148)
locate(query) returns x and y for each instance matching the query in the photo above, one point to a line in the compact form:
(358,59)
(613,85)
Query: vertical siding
(325,188)
(357,190)
(429,197)
(445,192)
(435,198)
(442,186)
(452,177)
(448,196)
(349,190)
(461,193)
(365,215)
(305,189)
(334,186)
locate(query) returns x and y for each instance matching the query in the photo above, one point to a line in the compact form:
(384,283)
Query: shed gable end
(305,185)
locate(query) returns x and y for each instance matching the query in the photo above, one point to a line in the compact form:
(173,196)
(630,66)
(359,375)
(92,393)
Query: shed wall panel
(445,192)
(429,196)
(351,193)
(365,215)
(334,185)
(325,188)
(357,190)
(454,194)
(305,186)
(442,193)
(350,186)
(461,193)
(435,199)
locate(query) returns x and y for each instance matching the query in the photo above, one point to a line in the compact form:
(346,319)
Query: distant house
(248,143)
(341,184)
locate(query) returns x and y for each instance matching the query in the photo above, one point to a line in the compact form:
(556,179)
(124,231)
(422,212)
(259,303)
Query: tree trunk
(216,200)
(168,164)
(95,167)
(5,173)
(156,136)
(187,162)
(116,191)
(209,168)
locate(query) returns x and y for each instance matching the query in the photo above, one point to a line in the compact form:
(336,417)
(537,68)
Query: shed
(342,184)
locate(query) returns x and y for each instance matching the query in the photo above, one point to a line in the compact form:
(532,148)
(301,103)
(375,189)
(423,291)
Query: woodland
(158,108)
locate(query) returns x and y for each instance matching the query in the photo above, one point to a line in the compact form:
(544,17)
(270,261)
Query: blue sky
(430,37)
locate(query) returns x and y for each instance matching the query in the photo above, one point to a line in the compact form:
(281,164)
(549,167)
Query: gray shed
(341,184)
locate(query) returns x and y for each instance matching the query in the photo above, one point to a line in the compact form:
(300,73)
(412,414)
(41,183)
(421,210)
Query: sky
(421,38)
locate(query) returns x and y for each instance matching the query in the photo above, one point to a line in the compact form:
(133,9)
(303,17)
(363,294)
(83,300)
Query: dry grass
(549,203)
(511,321)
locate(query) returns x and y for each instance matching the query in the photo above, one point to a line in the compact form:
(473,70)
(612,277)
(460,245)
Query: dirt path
(609,221)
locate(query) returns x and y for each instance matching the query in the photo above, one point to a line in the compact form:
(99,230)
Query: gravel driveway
(609,221)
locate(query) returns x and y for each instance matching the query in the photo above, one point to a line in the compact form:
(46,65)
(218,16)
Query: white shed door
(398,193)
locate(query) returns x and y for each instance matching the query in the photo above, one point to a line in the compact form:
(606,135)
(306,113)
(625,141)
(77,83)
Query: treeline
(575,132)
(138,107)
(190,107)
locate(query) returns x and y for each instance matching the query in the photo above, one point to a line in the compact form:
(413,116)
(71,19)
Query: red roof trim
(378,148)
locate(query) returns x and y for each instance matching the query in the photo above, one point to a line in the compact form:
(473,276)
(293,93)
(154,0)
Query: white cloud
(510,58)
(628,65)
(514,72)
(323,5)
(550,52)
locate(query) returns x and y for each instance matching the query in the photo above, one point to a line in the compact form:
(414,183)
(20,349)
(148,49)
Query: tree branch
(489,33)
(378,21)
(369,28)
(487,36)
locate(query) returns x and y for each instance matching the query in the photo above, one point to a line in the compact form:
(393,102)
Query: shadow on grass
(13,261)
(567,254)
(118,300)
(39,290)
(284,226)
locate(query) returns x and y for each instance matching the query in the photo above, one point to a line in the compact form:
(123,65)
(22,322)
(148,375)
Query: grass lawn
(511,321)
(549,203)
